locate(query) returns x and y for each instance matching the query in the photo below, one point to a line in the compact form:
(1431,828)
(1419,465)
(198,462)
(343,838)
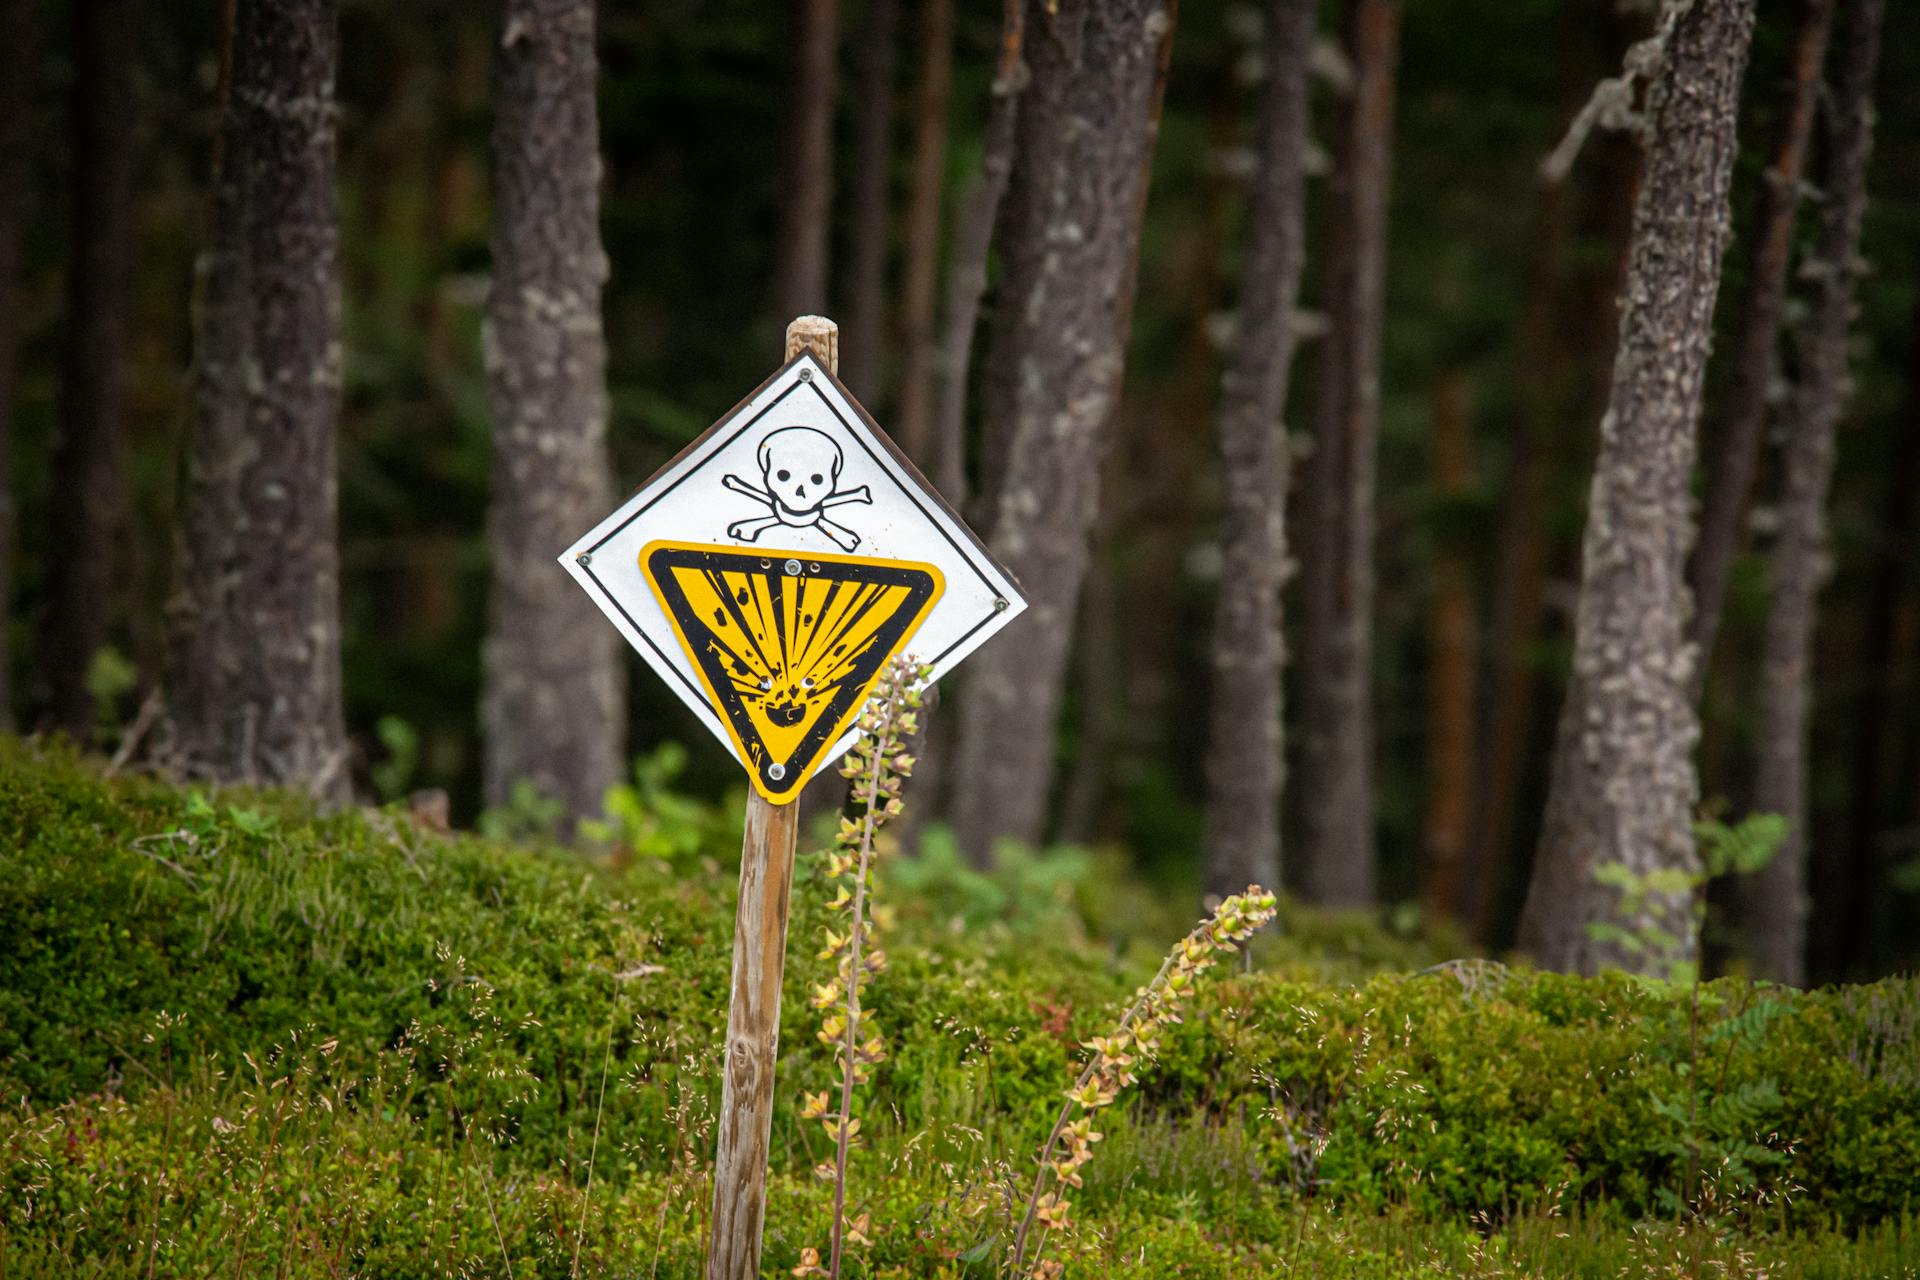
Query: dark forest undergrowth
(236,1039)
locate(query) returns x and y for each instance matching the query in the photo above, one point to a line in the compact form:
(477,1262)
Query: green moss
(438,1011)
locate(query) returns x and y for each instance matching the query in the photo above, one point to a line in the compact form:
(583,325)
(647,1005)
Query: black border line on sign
(711,432)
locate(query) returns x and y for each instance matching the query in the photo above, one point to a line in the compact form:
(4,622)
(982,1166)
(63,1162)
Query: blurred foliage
(692,128)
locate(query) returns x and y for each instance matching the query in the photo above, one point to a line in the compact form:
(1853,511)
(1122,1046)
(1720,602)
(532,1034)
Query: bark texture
(1735,447)
(87,515)
(919,291)
(1773,901)
(1336,826)
(18,58)
(552,708)
(1069,372)
(1055,35)
(806,194)
(973,243)
(1451,641)
(1623,785)
(256,666)
(1566,341)
(866,328)
(1244,762)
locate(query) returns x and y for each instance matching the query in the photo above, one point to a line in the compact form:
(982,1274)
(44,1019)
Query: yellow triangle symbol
(787,646)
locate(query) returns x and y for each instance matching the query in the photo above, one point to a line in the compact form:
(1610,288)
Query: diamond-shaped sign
(805,493)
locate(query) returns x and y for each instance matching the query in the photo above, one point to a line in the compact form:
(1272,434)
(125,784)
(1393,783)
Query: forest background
(1496,345)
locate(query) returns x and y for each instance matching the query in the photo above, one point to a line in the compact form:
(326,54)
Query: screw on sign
(767,574)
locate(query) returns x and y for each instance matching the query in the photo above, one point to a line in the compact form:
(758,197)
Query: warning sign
(797,472)
(787,647)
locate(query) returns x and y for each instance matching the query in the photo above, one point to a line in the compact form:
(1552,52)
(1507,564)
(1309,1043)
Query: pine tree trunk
(980,217)
(256,669)
(806,193)
(1773,901)
(87,517)
(1069,379)
(1336,825)
(1451,635)
(1735,445)
(1055,33)
(553,706)
(1244,764)
(18,59)
(864,337)
(1623,784)
(1566,339)
(919,292)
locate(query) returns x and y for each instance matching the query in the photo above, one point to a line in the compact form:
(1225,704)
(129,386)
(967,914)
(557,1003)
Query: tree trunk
(1566,340)
(806,194)
(1735,451)
(1055,33)
(921,283)
(973,242)
(1336,768)
(553,707)
(87,517)
(865,333)
(1623,784)
(1773,901)
(1069,378)
(256,671)
(1450,662)
(18,60)
(942,445)
(1245,768)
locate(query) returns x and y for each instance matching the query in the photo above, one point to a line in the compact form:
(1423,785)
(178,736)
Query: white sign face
(798,469)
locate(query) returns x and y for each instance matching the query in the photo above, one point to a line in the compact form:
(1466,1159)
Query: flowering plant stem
(1066,1114)
(868,822)
(1108,1071)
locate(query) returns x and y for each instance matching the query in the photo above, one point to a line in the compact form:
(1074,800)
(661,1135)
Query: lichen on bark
(1623,785)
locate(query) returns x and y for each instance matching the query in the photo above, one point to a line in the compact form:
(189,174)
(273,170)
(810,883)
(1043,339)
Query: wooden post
(759,960)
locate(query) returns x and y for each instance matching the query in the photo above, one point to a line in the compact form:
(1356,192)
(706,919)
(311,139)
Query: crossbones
(799,467)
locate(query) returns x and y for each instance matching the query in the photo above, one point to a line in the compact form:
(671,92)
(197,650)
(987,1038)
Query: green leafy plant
(1645,927)
(654,822)
(528,813)
(110,676)
(393,776)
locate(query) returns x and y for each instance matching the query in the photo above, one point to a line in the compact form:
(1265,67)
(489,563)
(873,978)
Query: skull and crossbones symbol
(800,469)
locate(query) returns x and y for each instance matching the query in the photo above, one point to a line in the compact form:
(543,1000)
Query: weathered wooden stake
(759,959)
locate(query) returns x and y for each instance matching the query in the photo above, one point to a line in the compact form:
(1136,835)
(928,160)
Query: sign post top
(798,471)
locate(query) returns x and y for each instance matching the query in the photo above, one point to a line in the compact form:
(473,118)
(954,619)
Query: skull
(800,467)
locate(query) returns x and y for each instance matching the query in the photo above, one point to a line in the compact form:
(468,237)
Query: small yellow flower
(810,1264)
(815,1105)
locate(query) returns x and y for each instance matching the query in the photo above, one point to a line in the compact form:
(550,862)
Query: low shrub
(160,946)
